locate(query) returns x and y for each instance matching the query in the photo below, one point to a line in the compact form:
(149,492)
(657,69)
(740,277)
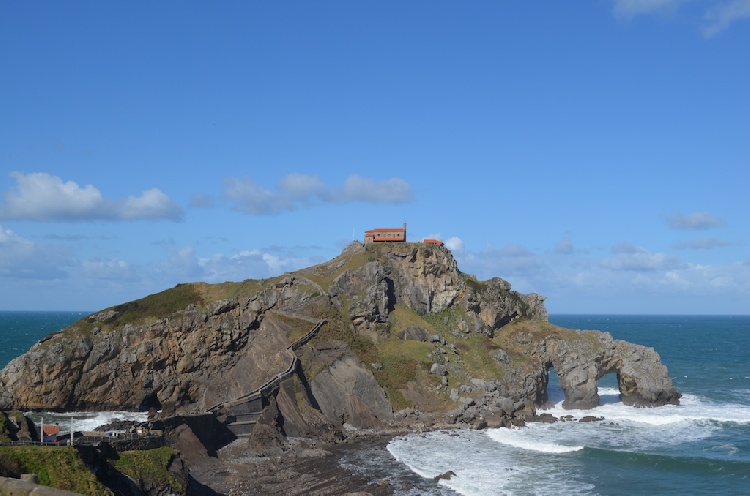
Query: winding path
(247,408)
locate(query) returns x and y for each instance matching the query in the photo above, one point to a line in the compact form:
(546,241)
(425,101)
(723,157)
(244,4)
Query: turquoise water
(701,446)
(20,330)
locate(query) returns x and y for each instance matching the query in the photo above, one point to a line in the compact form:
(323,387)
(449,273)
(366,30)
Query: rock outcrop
(405,331)
(582,358)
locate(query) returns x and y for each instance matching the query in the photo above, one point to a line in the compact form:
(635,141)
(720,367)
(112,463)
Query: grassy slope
(59,467)
(150,468)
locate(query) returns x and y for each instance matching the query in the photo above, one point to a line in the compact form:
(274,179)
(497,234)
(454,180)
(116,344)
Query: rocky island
(383,339)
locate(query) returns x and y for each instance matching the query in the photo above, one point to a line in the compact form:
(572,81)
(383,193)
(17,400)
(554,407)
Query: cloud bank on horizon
(40,197)
(606,170)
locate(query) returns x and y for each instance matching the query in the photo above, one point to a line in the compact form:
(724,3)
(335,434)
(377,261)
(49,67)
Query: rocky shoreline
(303,468)
(355,464)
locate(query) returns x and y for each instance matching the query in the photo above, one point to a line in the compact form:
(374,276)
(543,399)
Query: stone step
(246,422)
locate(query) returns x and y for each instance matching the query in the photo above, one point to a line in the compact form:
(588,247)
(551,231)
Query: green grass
(158,305)
(401,362)
(324,274)
(403,317)
(4,432)
(473,282)
(230,290)
(59,467)
(477,360)
(141,311)
(150,466)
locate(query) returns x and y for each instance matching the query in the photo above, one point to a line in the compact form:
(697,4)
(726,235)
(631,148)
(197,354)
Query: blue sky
(596,152)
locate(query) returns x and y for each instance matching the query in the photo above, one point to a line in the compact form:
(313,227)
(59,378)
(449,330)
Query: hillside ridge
(409,339)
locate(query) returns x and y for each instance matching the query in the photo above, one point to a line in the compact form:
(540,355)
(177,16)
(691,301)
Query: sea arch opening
(609,389)
(553,392)
(574,390)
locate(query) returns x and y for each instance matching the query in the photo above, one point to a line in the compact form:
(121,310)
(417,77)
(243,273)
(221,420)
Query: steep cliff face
(188,360)
(397,327)
(426,279)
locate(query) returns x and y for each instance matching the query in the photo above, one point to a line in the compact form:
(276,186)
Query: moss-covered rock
(155,471)
(59,467)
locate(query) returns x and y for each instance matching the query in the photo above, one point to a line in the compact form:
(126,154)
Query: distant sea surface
(20,330)
(700,447)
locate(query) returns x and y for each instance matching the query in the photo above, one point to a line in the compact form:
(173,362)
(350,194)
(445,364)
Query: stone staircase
(242,412)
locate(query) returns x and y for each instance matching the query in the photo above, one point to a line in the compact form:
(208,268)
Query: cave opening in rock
(555,394)
(150,402)
(608,389)
(390,294)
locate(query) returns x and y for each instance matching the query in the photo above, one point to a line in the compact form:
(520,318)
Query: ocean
(20,330)
(701,446)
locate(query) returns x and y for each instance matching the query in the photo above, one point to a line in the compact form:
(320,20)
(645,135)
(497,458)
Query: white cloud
(718,14)
(251,198)
(701,244)
(358,188)
(111,269)
(42,197)
(628,9)
(200,200)
(697,220)
(152,204)
(301,186)
(633,258)
(564,246)
(24,259)
(297,190)
(722,16)
(183,265)
(248,264)
(454,244)
(512,260)
(732,279)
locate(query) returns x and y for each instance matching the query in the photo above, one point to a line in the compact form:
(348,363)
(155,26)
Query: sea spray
(85,421)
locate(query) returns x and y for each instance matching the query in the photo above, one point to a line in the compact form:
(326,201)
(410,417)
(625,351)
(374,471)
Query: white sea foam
(626,428)
(519,438)
(691,409)
(546,458)
(86,421)
(483,466)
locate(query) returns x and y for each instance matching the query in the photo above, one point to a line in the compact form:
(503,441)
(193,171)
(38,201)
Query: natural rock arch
(581,359)
(641,377)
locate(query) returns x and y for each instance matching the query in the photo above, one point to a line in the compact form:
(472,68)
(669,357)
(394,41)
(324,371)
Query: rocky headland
(384,338)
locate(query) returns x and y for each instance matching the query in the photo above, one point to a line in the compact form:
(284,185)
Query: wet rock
(445,476)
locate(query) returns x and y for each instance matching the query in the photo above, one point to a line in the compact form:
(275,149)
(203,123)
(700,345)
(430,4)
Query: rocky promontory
(384,337)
